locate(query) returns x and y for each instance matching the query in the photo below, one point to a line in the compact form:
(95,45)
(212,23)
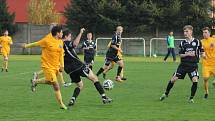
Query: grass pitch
(137,99)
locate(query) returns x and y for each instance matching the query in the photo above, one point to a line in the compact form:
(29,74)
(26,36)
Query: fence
(130,46)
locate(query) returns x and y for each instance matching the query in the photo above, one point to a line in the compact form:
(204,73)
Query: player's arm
(78,38)
(11,41)
(182,52)
(167,40)
(61,61)
(30,45)
(201,50)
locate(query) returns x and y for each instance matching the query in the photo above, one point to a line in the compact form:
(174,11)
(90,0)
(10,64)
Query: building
(19,7)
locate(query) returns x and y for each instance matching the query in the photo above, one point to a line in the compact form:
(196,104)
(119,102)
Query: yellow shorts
(208,71)
(50,74)
(5,54)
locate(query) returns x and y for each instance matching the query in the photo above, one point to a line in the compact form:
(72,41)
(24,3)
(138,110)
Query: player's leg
(108,69)
(119,70)
(76,78)
(206,87)
(206,75)
(91,76)
(194,76)
(167,55)
(179,74)
(173,54)
(37,74)
(58,96)
(61,80)
(107,63)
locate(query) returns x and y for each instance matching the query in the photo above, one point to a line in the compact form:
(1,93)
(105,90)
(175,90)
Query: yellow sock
(122,73)
(60,76)
(6,64)
(41,81)
(59,99)
(40,72)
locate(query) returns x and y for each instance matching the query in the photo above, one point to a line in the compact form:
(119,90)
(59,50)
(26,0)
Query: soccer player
(112,52)
(52,61)
(89,47)
(40,72)
(113,63)
(208,63)
(5,42)
(171,46)
(189,52)
(77,69)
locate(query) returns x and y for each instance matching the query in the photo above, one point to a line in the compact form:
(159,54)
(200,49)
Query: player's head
(171,33)
(89,36)
(119,30)
(67,35)
(188,31)
(206,31)
(5,32)
(52,25)
(57,32)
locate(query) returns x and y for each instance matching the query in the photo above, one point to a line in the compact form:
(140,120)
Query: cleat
(6,70)
(71,102)
(163,97)
(118,79)
(107,100)
(33,85)
(63,107)
(67,84)
(104,76)
(191,101)
(206,96)
(123,78)
(2,70)
(35,76)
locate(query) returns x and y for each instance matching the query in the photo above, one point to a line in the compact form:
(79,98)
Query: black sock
(100,89)
(169,87)
(76,92)
(91,67)
(100,71)
(119,70)
(193,89)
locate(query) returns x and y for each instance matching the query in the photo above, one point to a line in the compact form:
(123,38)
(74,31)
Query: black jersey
(116,40)
(71,61)
(92,47)
(192,46)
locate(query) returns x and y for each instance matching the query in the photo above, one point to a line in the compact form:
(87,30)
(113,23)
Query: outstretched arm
(78,38)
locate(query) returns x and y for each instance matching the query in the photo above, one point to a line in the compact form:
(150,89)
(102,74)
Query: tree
(137,16)
(6,18)
(42,12)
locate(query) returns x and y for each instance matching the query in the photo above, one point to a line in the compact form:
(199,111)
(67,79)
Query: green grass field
(137,99)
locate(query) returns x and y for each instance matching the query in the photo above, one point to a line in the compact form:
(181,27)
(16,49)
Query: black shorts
(88,59)
(108,60)
(191,70)
(76,75)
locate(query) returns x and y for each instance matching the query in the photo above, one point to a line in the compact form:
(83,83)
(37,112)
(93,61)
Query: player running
(52,61)
(112,54)
(5,43)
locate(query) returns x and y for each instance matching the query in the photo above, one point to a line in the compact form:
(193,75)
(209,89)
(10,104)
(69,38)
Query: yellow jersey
(5,42)
(52,52)
(209,48)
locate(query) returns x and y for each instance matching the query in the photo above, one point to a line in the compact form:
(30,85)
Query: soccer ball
(155,55)
(108,84)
